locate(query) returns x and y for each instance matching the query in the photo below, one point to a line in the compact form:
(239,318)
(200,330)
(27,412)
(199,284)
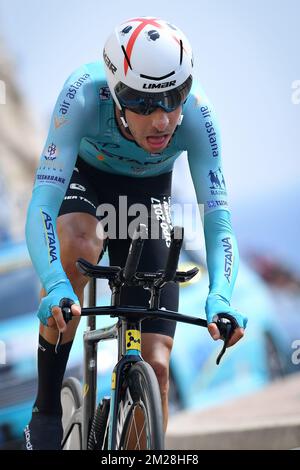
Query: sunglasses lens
(145,103)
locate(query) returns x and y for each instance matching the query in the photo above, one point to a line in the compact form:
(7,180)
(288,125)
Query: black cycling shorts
(90,188)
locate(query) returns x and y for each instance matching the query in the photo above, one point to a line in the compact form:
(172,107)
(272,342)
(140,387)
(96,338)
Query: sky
(246,58)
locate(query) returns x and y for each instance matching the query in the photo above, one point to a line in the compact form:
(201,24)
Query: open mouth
(158,141)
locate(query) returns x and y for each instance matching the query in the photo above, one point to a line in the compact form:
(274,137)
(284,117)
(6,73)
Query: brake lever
(65,305)
(226,327)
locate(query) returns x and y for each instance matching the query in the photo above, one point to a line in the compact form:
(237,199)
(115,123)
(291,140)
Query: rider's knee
(160,365)
(156,350)
(78,246)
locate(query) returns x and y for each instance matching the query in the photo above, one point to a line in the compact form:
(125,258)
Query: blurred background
(246,58)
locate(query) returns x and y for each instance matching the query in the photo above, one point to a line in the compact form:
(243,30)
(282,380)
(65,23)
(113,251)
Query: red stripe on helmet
(134,36)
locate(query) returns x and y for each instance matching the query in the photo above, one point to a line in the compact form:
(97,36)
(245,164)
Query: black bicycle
(131,419)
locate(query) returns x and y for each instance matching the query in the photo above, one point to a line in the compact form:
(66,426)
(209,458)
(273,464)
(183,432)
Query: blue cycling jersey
(83,123)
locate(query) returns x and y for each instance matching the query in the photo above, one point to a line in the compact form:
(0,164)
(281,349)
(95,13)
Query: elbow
(218,221)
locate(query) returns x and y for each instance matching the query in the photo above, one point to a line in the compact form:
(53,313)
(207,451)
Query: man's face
(153,132)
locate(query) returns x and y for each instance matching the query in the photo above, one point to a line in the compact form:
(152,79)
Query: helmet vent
(181,51)
(157,78)
(126,57)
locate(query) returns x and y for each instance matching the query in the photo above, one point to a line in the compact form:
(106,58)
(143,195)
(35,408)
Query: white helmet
(148,64)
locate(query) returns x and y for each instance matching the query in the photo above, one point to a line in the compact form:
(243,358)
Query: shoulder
(83,92)
(200,129)
(86,79)
(198,110)
(197,103)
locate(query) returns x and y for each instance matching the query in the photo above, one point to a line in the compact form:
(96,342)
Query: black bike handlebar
(112,272)
(135,251)
(100,272)
(129,276)
(225,323)
(173,255)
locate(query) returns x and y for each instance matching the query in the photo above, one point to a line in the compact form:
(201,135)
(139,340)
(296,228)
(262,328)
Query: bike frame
(128,333)
(129,352)
(127,330)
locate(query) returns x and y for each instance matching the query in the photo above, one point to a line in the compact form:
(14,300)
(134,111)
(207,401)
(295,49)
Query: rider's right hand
(50,313)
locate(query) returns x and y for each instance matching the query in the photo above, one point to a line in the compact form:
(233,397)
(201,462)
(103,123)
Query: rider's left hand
(216,304)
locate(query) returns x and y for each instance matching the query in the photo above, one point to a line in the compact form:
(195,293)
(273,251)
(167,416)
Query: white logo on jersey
(77,187)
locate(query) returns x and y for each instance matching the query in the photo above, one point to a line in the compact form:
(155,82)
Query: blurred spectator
(4,213)
(275,273)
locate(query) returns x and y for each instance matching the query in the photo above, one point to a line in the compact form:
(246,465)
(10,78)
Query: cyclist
(116,130)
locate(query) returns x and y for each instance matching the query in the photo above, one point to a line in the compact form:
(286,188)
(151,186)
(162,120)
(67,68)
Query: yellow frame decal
(133,340)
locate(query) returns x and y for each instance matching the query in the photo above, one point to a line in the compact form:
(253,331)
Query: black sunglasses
(145,103)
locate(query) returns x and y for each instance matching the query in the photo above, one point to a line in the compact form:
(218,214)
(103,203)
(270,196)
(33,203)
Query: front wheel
(139,419)
(71,402)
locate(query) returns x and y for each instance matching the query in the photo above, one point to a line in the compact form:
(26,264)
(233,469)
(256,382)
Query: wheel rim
(133,424)
(69,407)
